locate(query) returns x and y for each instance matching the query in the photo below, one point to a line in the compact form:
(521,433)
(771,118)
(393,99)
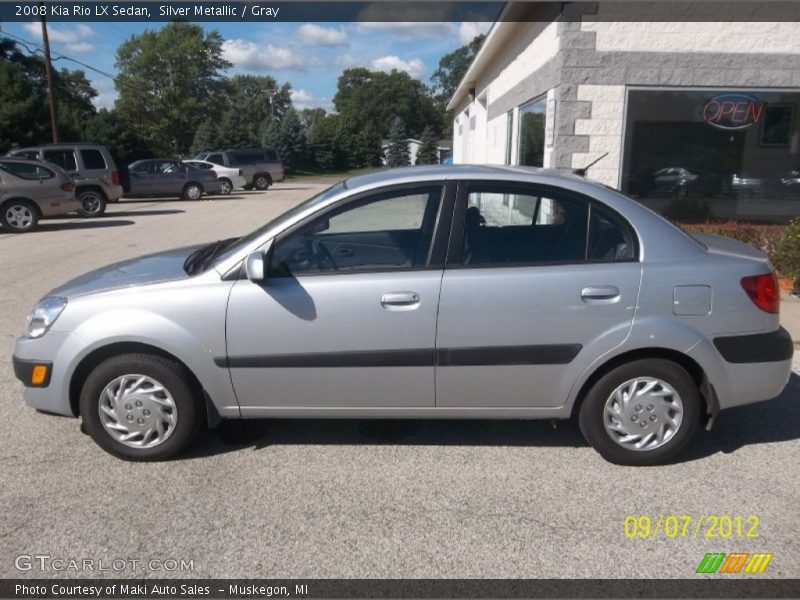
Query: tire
(93,203)
(193,191)
(673,411)
(225,187)
(19,216)
(261,181)
(159,424)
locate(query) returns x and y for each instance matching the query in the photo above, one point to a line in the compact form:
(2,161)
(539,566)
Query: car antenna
(582,172)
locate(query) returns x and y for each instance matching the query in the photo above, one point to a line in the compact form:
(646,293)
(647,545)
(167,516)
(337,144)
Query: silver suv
(90,166)
(261,167)
(427,292)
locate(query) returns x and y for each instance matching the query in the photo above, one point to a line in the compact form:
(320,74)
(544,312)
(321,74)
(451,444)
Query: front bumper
(58,352)
(32,373)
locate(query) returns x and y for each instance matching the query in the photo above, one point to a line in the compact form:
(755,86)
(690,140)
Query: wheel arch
(94,187)
(7,201)
(708,395)
(98,355)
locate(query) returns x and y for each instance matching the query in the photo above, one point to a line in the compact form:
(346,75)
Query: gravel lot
(358,498)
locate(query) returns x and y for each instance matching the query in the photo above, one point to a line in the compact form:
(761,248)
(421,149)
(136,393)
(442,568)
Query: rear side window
(214,158)
(509,227)
(93,159)
(271,155)
(63,158)
(26,170)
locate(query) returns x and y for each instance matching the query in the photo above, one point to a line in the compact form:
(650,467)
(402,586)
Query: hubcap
(643,414)
(19,216)
(90,203)
(261,182)
(138,411)
(225,188)
(193,192)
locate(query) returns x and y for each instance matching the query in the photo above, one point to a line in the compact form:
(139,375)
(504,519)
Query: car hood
(153,268)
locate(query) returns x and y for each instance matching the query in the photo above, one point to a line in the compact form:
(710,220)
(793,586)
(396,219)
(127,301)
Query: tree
(108,129)
(206,137)
(169,82)
(327,151)
(397,154)
(451,70)
(427,153)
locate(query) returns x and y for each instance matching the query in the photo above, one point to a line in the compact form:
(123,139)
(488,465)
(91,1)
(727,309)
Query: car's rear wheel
(261,182)
(641,413)
(225,187)
(93,203)
(193,191)
(19,216)
(140,407)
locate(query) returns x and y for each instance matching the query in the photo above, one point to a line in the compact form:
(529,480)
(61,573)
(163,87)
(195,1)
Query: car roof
(428,172)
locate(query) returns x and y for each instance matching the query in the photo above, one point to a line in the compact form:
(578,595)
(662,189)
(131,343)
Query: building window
(509,135)
(714,154)
(531,133)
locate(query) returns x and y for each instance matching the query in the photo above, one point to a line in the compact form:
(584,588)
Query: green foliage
(326,150)
(787,252)
(445,80)
(169,82)
(427,154)
(397,154)
(767,238)
(206,137)
(107,128)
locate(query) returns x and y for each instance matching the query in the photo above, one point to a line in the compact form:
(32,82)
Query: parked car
(261,167)
(168,177)
(92,168)
(589,304)
(228,177)
(31,190)
(676,180)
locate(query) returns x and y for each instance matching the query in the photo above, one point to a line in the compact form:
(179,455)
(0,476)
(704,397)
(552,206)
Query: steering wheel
(321,253)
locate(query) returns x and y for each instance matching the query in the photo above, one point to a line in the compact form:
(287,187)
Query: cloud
(408,30)
(414,67)
(247,55)
(64,35)
(315,35)
(80,47)
(469,29)
(303,99)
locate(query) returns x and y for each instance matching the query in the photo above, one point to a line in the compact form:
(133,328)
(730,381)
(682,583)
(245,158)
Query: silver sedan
(427,292)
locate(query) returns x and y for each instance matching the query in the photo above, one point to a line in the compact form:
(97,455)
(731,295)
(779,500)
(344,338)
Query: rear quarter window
(93,159)
(271,155)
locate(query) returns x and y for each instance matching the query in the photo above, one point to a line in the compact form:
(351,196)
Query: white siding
(605,129)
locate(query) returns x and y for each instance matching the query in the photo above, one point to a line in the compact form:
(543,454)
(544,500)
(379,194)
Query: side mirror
(255,267)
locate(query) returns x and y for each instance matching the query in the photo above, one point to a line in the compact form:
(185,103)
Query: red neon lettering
(727,109)
(711,104)
(741,108)
(755,116)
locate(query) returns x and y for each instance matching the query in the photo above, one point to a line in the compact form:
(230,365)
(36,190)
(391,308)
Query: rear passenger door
(537,282)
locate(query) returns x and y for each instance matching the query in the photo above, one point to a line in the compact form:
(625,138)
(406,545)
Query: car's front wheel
(139,407)
(641,413)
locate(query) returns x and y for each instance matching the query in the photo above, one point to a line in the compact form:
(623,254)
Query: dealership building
(698,118)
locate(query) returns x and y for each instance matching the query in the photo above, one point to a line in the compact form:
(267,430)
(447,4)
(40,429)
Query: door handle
(400,300)
(345,252)
(600,292)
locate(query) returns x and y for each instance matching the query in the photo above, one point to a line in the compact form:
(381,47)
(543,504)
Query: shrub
(787,252)
(767,238)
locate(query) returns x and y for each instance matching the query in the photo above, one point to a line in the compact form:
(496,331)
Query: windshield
(244,241)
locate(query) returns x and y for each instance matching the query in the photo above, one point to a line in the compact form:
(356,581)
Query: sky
(310,56)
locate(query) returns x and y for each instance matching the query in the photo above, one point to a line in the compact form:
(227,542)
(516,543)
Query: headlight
(43,315)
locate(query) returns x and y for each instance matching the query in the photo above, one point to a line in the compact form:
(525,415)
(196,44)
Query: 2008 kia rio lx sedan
(427,292)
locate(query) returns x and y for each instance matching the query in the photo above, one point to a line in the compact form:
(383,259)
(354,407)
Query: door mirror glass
(254,266)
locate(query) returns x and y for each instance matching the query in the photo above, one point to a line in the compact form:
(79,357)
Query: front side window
(389,231)
(168,166)
(507,227)
(26,170)
(63,158)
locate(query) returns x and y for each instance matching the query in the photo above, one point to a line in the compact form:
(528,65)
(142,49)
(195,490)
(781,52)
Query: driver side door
(346,318)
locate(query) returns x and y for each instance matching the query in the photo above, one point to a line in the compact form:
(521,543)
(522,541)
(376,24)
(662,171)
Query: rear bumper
(113,192)
(756,348)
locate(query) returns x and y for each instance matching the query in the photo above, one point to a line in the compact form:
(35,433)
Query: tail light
(283,168)
(241,173)
(763,291)
(68,187)
(115,177)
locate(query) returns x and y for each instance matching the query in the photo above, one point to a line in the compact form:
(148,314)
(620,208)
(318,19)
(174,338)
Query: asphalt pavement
(357,498)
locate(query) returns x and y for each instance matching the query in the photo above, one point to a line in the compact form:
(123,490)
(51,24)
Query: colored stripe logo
(734,562)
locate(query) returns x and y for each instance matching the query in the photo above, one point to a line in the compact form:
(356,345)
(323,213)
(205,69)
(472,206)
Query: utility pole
(48,69)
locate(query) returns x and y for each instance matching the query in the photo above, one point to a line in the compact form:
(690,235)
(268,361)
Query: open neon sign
(733,111)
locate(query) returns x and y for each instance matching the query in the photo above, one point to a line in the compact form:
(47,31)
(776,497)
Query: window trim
(439,239)
(455,249)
